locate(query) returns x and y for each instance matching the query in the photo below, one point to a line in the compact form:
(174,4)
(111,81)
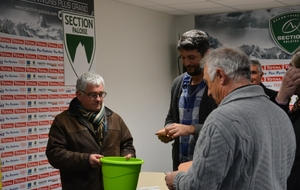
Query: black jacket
(207,104)
(293,182)
(268,91)
(294,178)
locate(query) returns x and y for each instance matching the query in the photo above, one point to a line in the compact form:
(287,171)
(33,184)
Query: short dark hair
(194,39)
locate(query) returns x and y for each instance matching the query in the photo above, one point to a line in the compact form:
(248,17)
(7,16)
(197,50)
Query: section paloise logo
(285,30)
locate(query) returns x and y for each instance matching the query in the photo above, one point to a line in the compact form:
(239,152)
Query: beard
(197,70)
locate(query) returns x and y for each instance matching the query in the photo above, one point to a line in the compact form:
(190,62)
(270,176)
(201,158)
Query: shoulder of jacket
(178,80)
(180,77)
(108,111)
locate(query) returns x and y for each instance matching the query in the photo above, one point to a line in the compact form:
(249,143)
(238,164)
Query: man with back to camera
(247,142)
(84,133)
(189,105)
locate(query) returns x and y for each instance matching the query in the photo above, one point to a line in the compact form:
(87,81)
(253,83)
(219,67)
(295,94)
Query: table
(152,181)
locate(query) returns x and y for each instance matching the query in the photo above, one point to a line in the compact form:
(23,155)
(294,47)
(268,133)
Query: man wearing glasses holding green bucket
(86,132)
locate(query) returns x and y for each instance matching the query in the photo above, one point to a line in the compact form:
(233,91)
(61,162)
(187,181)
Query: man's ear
(221,76)
(78,95)
(261,74)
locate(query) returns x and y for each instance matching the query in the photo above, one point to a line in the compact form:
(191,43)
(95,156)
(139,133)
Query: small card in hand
(161,132)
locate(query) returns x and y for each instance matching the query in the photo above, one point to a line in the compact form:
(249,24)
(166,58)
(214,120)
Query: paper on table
(149,188)
(185,166)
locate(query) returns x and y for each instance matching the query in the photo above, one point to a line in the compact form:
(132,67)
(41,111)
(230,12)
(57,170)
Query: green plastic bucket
(119,173)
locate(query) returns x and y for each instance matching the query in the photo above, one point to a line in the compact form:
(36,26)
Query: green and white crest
(79,41)
(285,30)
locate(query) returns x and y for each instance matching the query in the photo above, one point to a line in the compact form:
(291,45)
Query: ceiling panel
(188,7)
(192,6)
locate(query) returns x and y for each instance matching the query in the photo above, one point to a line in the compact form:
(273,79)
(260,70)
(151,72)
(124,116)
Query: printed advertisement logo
(285,30)
(79,32)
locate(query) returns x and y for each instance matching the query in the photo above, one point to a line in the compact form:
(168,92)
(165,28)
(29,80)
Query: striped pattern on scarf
(96,119)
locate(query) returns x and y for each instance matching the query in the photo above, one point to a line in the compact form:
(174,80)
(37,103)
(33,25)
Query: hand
(169,179)
(94,160)
(174,130)
(128,156)
(290,82)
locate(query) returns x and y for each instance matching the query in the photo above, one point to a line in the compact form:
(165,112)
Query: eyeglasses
(94,95)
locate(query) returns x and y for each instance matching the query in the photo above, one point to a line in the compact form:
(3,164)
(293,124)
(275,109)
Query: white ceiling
(202,7)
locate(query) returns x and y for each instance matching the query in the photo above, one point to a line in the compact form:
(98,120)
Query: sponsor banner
(8,160)
(32,84)
(12,90)
(14,174)
(9,185)
(13,145)
(13,118)
(13,132)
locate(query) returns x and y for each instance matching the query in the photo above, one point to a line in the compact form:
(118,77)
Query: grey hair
(254,62)
(89,78)
(233,61)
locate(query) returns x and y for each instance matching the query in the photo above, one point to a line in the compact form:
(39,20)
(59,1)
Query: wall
(136,56)
(183,24)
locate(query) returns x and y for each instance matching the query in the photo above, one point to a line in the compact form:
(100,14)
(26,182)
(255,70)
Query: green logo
(285,30)
(79,41)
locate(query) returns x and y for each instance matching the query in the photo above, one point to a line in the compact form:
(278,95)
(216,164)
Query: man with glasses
(84,133)
(256,76)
